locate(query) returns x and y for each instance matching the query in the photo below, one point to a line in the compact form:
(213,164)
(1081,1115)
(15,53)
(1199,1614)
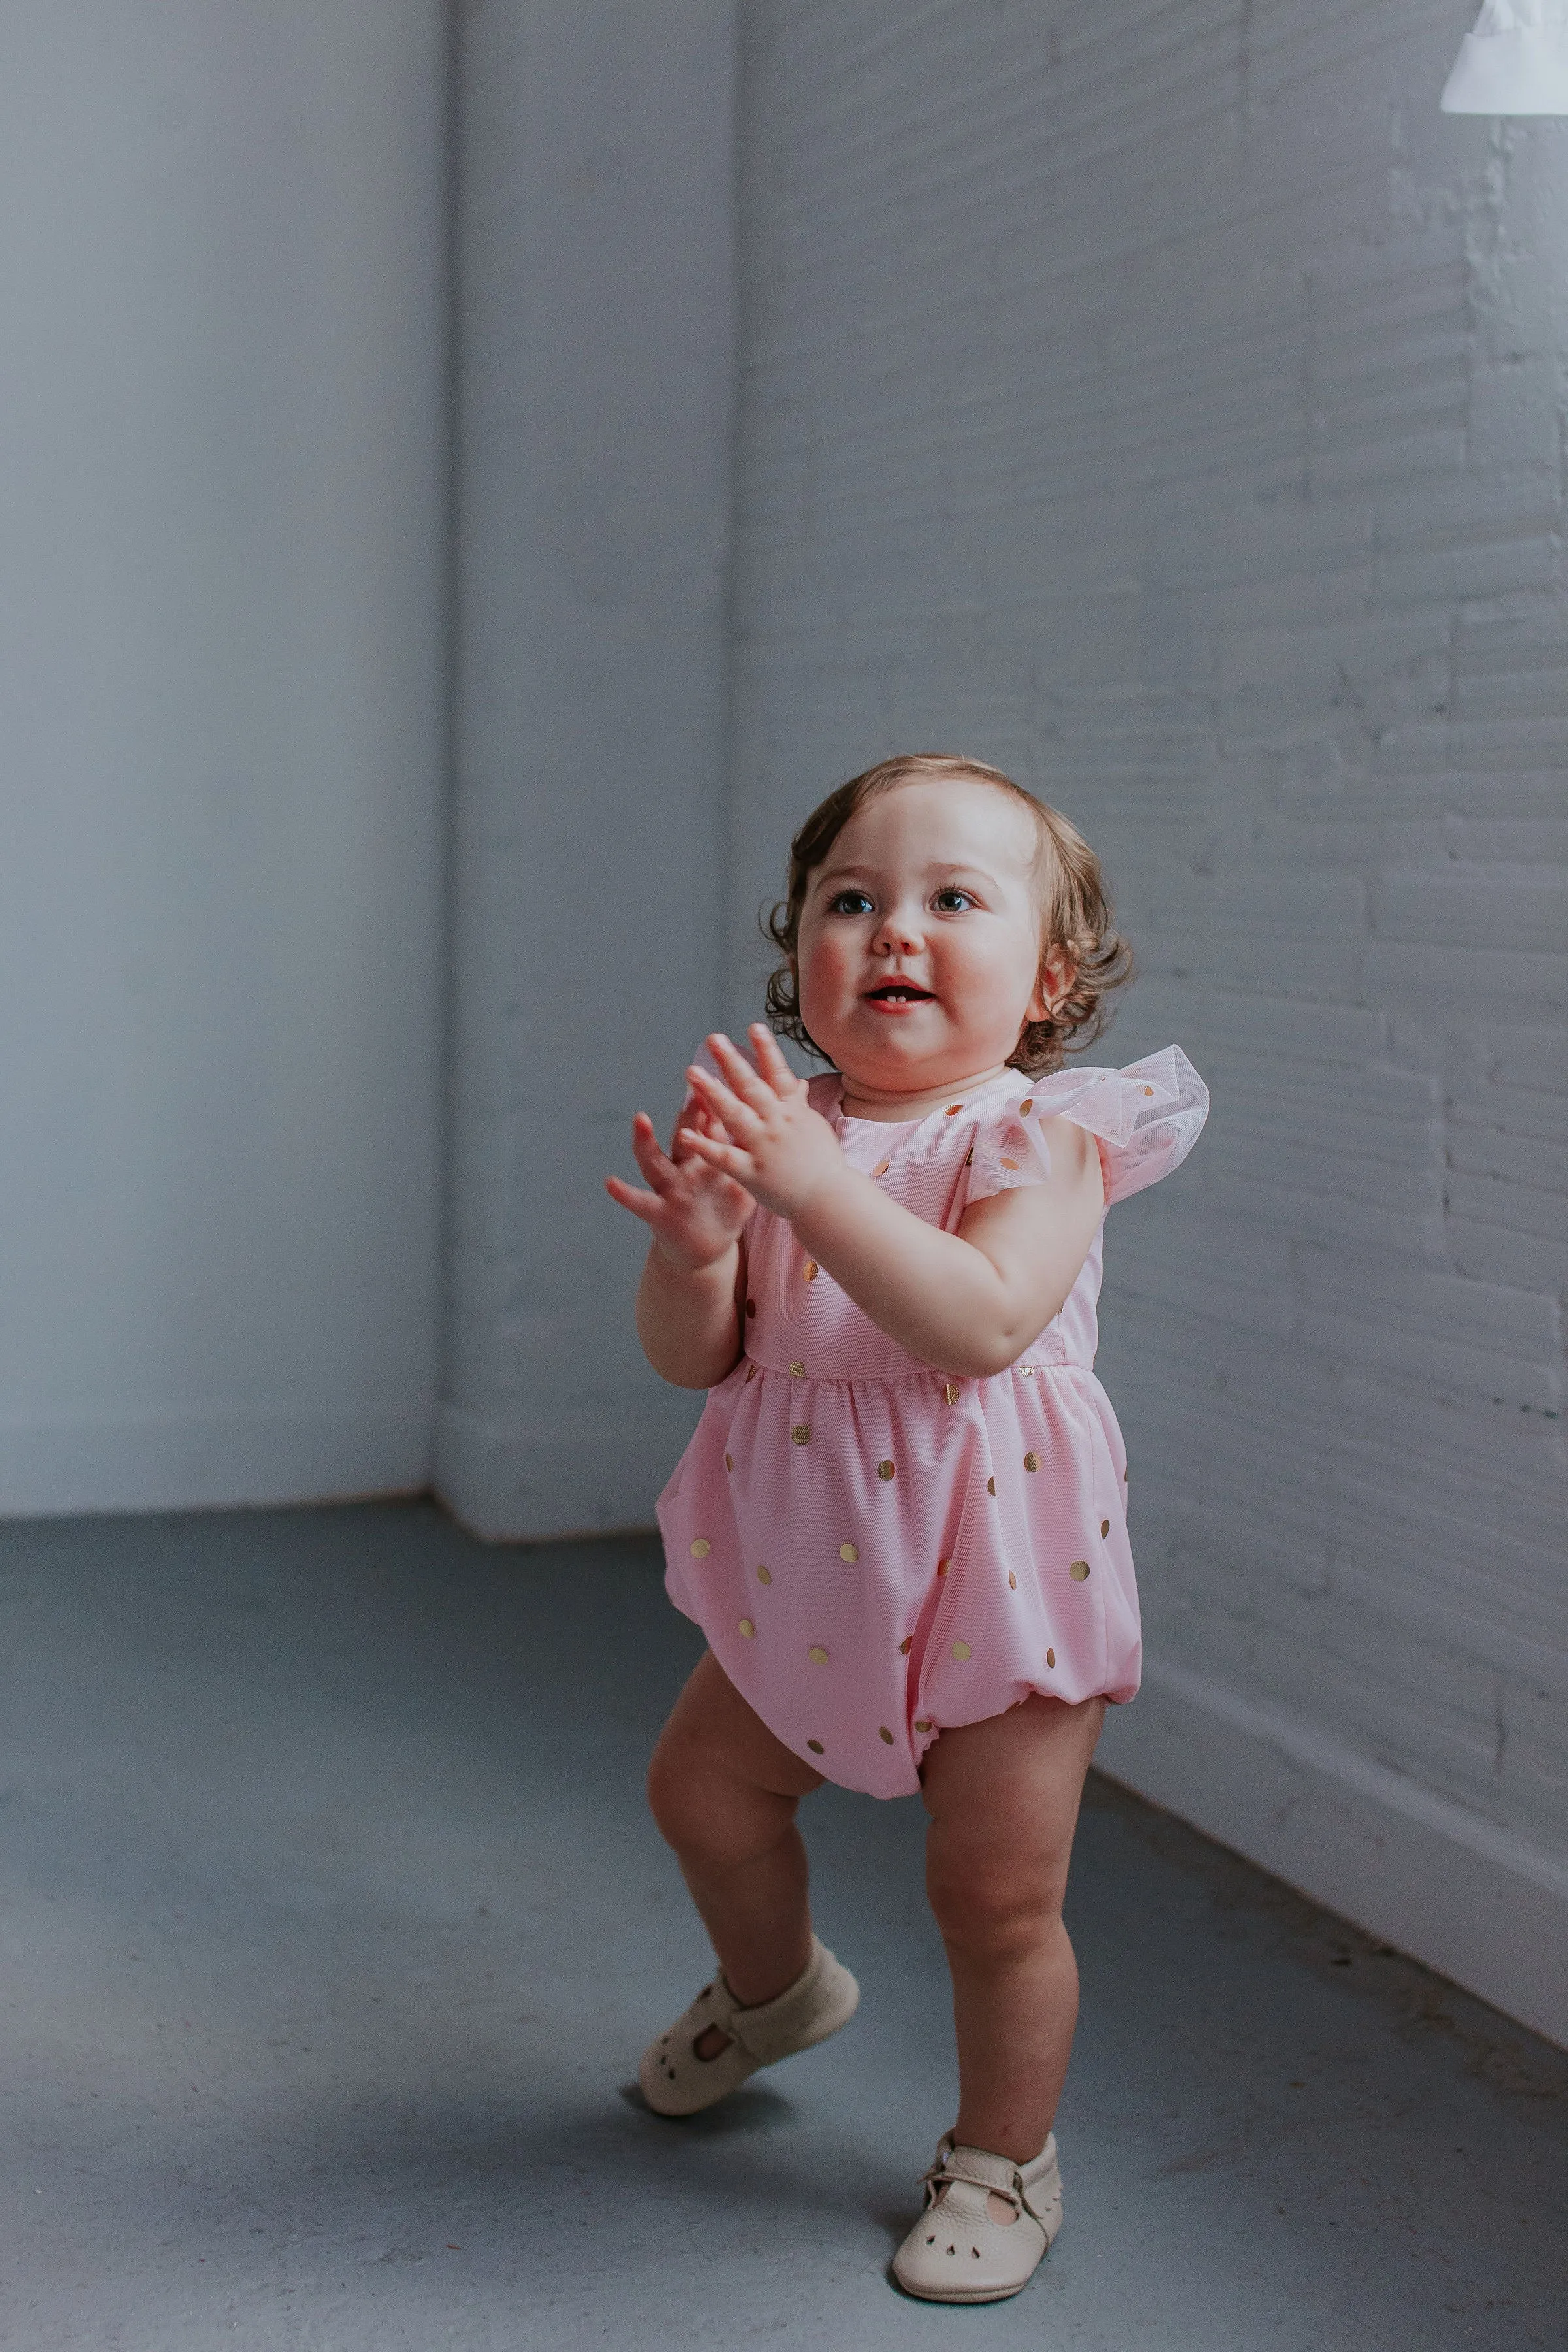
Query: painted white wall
(221,453)
(1167,404)
(595,224)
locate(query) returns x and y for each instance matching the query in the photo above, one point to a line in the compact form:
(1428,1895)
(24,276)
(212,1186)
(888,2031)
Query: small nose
(900,932)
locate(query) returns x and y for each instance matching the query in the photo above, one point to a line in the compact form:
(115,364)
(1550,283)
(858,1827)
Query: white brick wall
(1162,399)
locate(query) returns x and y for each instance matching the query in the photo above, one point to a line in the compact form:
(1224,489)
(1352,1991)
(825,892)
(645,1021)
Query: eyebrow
(855,872)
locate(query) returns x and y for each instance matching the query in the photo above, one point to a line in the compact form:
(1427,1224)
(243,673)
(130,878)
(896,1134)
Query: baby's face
(919,938)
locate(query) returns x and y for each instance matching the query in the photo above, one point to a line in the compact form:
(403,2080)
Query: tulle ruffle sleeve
(1145,1118)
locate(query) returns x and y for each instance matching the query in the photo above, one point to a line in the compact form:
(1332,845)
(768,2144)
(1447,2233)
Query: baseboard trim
(1482,1907)
(509,1487)
(237,1457)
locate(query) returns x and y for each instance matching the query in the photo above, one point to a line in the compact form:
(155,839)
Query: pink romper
(875,1548)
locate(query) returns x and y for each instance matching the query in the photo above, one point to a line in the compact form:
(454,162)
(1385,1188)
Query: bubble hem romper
(877,1550)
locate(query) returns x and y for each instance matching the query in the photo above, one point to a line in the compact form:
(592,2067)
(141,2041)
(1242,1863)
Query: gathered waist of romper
(1025,1366)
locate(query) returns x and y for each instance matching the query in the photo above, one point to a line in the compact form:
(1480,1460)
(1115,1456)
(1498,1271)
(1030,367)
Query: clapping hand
(759,1129)
(694,1211)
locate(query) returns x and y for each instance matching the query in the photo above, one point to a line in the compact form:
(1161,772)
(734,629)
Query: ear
(1057,971)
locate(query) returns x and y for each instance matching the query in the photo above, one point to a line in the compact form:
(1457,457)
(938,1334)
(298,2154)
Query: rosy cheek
(818,981)
(822,964)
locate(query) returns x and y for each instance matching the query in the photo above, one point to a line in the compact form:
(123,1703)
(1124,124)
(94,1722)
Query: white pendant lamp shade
(1515,62)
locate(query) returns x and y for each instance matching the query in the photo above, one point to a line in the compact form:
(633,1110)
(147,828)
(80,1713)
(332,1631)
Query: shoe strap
(771,2029)
(946,2170)
(714,2005)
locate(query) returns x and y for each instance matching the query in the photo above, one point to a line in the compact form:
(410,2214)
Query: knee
(994,1906)
(675,1796)
(711,1821)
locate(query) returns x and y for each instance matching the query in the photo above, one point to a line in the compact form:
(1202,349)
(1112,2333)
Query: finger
(689,1114)
(707,1122)
(735,1115)
(741,1076)
(722,1156)
(771,1061)
(684,1169)
(659,1170)
(645,1205)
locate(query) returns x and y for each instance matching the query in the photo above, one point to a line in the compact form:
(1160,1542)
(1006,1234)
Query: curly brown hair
(1074,912)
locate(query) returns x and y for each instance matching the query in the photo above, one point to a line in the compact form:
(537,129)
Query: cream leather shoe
(987,2222)
(676,2081)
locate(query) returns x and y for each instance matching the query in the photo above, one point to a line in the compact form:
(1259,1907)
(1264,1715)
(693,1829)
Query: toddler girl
(902,1521)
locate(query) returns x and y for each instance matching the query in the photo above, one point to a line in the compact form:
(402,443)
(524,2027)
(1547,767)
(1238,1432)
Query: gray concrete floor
(333,1924)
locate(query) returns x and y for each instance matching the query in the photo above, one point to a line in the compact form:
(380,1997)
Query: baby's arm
(692,1292)
(688,1318)
(969,1302)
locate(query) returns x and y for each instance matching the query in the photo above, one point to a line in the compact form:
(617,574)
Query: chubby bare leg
(1004,1798)
(724,1793)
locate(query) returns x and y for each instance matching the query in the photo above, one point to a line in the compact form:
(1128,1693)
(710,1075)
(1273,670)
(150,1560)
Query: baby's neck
(863,1100)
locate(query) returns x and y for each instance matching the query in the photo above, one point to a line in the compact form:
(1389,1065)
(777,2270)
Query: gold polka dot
(991,1485)
(952,1108)
(808,1272)
(1078,1570)
(851,1552)
(750,1305)
(884,1734)
(1031,1461)
(815,1745)
(728,1461)
(961,1650)
(1050,1657)
(906,1645)
(1148,1090)
(1012,1582)
(1105,1527)
(884,1470)
(1026,1107)
(817,1657)
(1010,1164)
(800,1433)
(751,1371)
(942,1566)
(746,1627)
(764,1575)
(797,1368)
(949,1392)
(702,1547)
(921,1723)
(881,1168)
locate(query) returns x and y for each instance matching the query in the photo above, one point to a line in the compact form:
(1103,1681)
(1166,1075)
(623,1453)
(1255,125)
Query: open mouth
(898,992)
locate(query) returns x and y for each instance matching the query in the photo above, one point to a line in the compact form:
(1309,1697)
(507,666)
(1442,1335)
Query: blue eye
(840,904)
